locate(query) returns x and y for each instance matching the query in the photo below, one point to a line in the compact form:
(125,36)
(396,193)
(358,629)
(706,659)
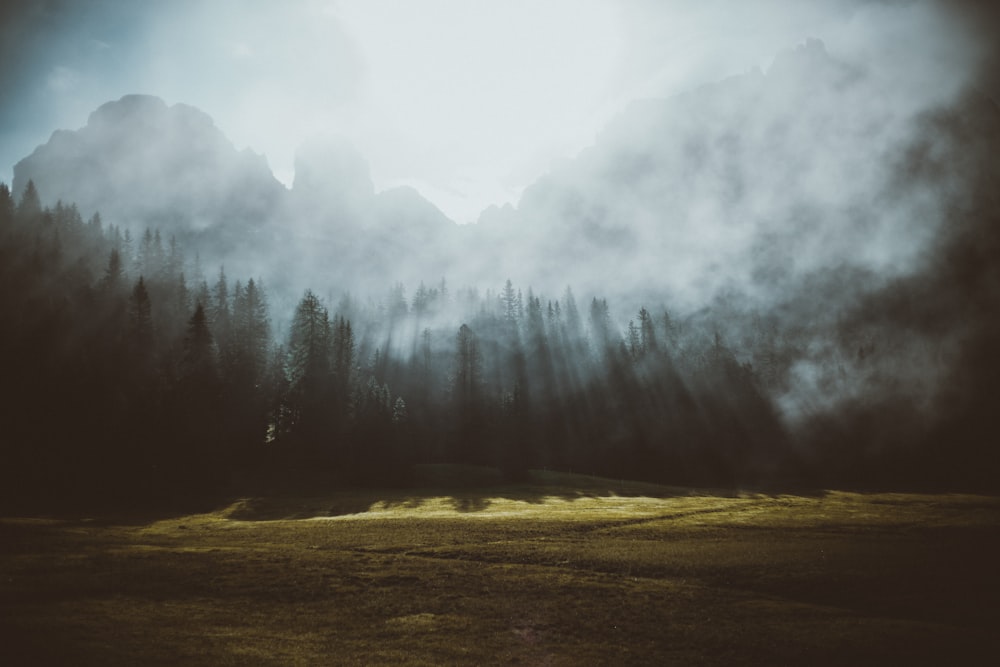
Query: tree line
(130,374)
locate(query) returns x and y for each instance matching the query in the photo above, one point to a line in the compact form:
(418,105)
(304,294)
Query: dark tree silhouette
(160,391)
(30,205)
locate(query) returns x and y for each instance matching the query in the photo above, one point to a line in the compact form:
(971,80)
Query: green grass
(463,569)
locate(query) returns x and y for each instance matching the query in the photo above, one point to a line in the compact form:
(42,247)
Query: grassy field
(560,570)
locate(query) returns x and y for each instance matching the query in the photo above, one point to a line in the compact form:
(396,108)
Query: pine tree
(219,313)
(600,322)
(468,366)
(140,320)
(279,416)
(6,206)
(199,352)
(255,325)
(197,401)
(342,356)
(309,342)
(96,226)
(671,332)
(647,332)
(508,302)
(311,399)
(396,302)
(114,273)
(633,342)
(145,258)
(129,261)
(467,396)
(30,205)
(421,300)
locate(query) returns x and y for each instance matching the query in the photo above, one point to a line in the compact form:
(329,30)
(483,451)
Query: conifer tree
(30,205)
(6,206)
(647,332)
(310,383)
(219,313)
(199,353)
(114,273)
(140,319)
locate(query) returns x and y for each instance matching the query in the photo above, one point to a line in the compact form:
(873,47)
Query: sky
(468,101)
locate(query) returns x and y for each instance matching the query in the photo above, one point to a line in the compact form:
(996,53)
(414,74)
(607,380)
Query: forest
(132,374)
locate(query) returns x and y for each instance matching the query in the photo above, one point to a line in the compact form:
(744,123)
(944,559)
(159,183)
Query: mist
(415,88)
(798,197)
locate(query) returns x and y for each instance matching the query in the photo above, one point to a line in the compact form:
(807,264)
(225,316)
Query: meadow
(465,569)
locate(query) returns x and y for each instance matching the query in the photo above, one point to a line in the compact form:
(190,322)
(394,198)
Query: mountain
(333,189)
(752,184)
(143,163)
(334,227)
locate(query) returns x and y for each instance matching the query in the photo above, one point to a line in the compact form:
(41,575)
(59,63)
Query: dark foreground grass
(562,570)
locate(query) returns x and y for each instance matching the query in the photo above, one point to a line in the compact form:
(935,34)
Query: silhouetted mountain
(333,192)
(143,163)
(334,225)
(404,223)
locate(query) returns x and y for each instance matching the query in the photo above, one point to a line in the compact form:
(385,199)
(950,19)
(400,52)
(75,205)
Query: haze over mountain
(334,223)
(751,183)
(140,162)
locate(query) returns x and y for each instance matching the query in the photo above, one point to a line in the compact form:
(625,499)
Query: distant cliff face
(141,162)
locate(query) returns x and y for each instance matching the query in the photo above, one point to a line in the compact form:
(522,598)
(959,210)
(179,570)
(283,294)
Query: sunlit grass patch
(498,507)
(442,491)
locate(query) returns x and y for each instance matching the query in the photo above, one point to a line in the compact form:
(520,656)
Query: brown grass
(562,570)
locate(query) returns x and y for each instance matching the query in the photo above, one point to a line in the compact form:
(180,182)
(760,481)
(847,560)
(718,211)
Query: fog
(467,102)
(808,185)
(655,147)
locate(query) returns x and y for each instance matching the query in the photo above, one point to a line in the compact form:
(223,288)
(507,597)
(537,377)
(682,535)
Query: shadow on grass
(123,512)
(305,494)
(467,489)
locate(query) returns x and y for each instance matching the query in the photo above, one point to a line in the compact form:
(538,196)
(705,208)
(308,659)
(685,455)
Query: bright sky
(468,101)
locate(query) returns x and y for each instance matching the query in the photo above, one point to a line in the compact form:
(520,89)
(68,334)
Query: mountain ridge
(137,158)
(754,182)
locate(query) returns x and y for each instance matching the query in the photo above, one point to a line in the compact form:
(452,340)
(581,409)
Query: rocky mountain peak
(138,157)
